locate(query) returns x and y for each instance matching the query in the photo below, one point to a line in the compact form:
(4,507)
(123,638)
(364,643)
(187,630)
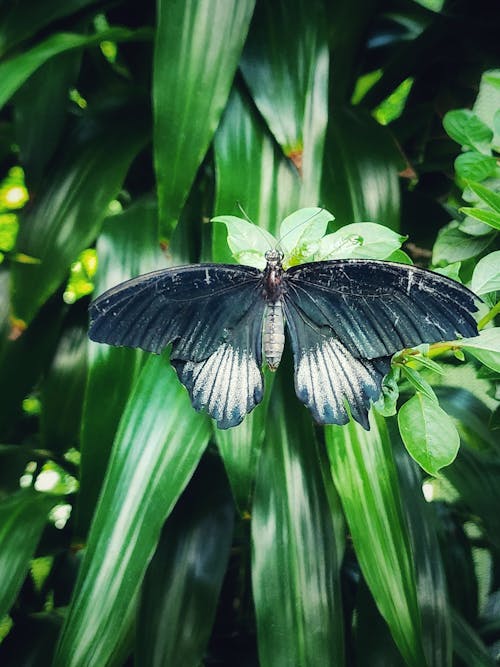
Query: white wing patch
(327,375)
(227,385)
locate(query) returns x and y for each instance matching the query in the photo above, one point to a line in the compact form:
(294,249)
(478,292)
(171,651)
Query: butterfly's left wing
(211,314)
(348,317)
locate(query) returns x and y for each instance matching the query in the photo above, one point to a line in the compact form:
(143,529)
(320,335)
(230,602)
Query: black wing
(348,317)
(212,315)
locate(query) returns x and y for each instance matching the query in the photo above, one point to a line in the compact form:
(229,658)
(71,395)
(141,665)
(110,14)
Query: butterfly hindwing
(328,377)
(211,313)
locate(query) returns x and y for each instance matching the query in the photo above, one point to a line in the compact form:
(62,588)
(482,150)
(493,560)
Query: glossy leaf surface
(294,569)
(156,449)
(191,83)
(183,581)
(69,210)
(127,246)
(365,476)
(23,516)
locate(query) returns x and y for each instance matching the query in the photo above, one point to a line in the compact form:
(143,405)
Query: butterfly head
(274,257)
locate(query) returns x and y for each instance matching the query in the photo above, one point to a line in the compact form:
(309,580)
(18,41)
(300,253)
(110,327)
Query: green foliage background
(132,531)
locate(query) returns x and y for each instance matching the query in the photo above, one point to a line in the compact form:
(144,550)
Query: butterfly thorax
(273,329)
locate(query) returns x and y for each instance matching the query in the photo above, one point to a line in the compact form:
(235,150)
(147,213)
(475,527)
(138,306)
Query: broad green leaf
(490,218)
(248,242)
(419,383)
(487,102)
(184,578)
(428,432)
(474,227)
(450,271)
(295,576)
(369,241)
(301,231)
(431,579)
(360,172)
(464,127)
(70,207)
(486,195)
(364,473)
(62,391)
(287,72)
(127,246)
(475,166)
(240,449)
(197,48)
(486,276)
(399,256)
(452,245)
(23,516)
(157,447)
(15,71)
(250,171)
(485,347)
(23,20)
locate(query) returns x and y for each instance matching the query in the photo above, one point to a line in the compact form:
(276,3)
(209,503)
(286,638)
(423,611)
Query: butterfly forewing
(211,313)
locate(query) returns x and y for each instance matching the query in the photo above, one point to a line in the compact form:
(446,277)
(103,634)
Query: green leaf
(487,102)
(286,71)
(301,231)
(489,217)
(486,276)
(399,256)
(158,445)
(127,246)
(42,102)
(15,71)
(240,449)
(468,645)
(62,391)
(295,576)
(248,243)
(464,127)
(475,166)
(363,470)
(194,66)
(184,578)
(452,245)
(485,347)
(360,173)
(428,432)
(23,20)
(474,227)
(251,171)
(450,271)
(386,405)
(486,195)
(23,517)
(431,577)
(418,382)
(71,205)
(365,240)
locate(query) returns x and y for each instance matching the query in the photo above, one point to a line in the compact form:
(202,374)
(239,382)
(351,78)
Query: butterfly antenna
(299,224)
(248,219)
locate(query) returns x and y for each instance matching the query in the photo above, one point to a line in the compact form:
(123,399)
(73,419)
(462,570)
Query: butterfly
(345,318)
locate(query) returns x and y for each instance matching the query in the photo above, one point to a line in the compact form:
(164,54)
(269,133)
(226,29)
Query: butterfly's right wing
(211,313)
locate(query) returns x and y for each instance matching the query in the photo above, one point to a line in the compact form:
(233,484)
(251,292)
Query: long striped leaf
(157,447)
(295,573)
(365,476)
(198,45)
(285,64)
(127,247)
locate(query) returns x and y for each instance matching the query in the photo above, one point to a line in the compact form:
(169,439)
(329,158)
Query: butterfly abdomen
(273,335)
